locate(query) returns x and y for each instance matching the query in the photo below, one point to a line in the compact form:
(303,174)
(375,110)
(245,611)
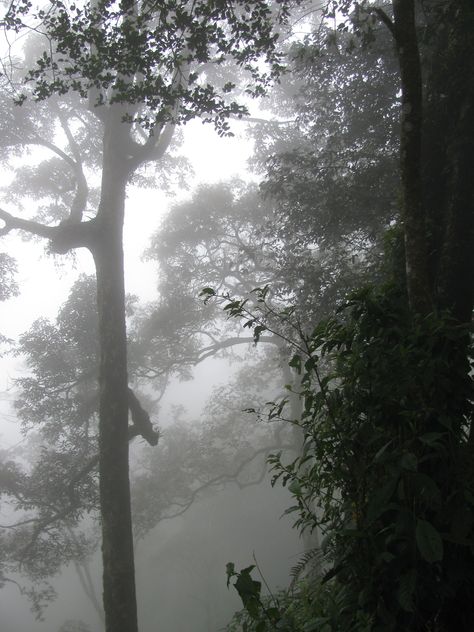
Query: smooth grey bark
(117,538)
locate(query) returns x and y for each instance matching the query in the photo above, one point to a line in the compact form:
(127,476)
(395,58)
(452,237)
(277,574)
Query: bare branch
(64,237)
(35,228)
(228,478)
(82,190)
(211,350)
(380,13)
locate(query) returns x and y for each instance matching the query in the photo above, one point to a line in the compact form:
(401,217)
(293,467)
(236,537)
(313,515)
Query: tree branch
(82,190)
(35,228)
(383,17)
(210,350)
(223,478)
(64,237)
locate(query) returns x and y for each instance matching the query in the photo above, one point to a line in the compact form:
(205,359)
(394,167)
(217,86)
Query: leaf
(295,363)
(406,590)
(431,438)
(380,498)
(259,329)
(409,462)
(230,571)
(295,488)
(207,291)
(429,542)
(249,591)
(315,625)
(291,509)
(382,450)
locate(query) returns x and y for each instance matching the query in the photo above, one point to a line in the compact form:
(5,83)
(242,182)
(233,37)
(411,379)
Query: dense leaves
(157,58)
(385,470)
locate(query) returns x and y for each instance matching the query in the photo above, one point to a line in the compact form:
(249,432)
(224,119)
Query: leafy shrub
(386,471)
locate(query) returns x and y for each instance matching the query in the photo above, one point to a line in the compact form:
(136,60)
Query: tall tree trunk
(414,220)
(453,95)
(117,538)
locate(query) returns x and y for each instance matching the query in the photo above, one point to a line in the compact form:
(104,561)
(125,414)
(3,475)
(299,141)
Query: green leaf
(207,291)
(295,488)
(259,329)
(409,462)
(430,438)
(382,450)
(429,542)
(249,591)
(230,571)
(315,625)
(291,509)
(406,590)
(295,363)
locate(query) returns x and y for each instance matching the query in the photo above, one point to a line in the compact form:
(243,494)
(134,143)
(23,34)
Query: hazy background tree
(138,67)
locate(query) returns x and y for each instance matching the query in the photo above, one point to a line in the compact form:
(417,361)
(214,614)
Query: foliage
(153,58)
(310,238)
(385,471)
(52,483)
(332,169)
(307,606)
(8,285)
(386,468)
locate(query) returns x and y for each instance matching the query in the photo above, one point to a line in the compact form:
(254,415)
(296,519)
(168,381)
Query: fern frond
(313,556)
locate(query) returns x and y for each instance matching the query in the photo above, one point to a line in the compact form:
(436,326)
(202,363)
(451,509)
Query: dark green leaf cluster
(385,470)
(156,56)
(333,171)
(308,606)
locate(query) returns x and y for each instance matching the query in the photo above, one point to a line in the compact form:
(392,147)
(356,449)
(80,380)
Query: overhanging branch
(64,237)
(29,226)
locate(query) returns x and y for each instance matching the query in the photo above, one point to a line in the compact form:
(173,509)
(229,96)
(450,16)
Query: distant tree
(51,482)
(8,284)
(316,224)
(140,67)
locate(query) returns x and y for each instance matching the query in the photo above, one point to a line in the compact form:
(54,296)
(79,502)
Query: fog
(236,295)
(180,564)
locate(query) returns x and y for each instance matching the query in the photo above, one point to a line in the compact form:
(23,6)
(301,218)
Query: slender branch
(141,426)
(85,579)
(38,140)
(211,350)
(82,190)
(223,478)
(383,17)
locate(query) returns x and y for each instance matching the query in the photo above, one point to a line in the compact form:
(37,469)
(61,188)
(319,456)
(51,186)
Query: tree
(52,483)
(329,194)
(140,67)
(388,429)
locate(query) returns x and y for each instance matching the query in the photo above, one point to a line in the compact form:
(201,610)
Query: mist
(236,291)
